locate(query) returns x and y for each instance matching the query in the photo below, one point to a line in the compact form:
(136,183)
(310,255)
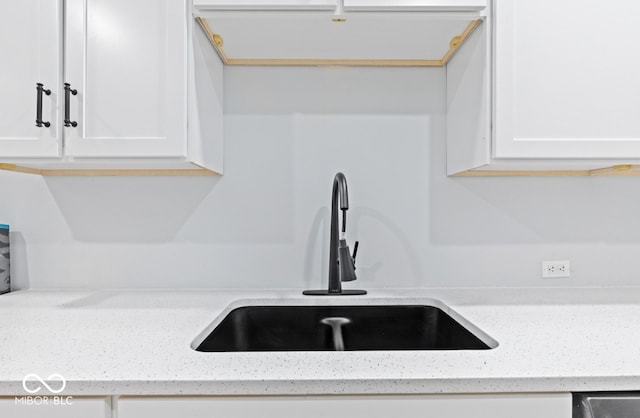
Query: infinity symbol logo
(35,377)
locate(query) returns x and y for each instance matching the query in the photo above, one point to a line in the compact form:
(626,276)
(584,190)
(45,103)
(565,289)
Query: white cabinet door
(127,61)
(402,5)
(348,4)
(418,406)
(566,79)
(30,42)
(265,4)
(55,407)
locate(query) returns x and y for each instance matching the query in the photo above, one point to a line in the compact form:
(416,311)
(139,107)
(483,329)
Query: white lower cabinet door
(55,407)
(556,405)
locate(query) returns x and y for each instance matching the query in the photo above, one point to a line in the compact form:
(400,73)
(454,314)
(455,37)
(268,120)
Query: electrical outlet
(556,269)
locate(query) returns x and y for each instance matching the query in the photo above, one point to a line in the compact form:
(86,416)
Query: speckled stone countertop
(129,342)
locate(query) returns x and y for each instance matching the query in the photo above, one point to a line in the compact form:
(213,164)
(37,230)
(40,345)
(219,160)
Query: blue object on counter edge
(3,226)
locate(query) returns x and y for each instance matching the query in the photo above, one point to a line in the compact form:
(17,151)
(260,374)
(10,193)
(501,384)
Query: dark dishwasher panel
(606,405)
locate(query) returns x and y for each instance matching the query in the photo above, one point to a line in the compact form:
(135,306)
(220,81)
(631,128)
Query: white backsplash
(265,223)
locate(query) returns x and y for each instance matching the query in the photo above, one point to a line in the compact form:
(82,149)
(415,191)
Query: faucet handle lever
(355,252)
(345,262)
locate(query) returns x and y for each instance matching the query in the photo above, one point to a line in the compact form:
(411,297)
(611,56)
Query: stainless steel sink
(349,328)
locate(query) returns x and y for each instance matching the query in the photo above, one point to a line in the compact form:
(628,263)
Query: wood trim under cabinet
(455,44)
(616,170)
(457,41)
(200,171)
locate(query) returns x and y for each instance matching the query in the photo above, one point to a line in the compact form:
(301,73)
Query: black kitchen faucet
(341,262)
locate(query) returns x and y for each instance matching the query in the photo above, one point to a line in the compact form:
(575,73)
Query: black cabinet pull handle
(40,89)
(67,90)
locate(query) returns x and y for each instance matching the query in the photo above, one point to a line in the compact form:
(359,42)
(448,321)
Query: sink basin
(361,327)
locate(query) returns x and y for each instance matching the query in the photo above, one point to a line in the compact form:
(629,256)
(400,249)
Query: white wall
(265,223)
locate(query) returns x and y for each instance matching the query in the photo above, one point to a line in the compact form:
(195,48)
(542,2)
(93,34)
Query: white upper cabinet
(560,88)
(123,99)
(403,5)
(419,5)
(30,57)
(566,79)
(265,4)
(127,61)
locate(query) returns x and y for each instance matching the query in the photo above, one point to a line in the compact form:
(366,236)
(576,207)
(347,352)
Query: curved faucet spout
(340,190)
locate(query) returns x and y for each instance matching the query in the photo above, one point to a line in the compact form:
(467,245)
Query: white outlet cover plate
(556,269)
